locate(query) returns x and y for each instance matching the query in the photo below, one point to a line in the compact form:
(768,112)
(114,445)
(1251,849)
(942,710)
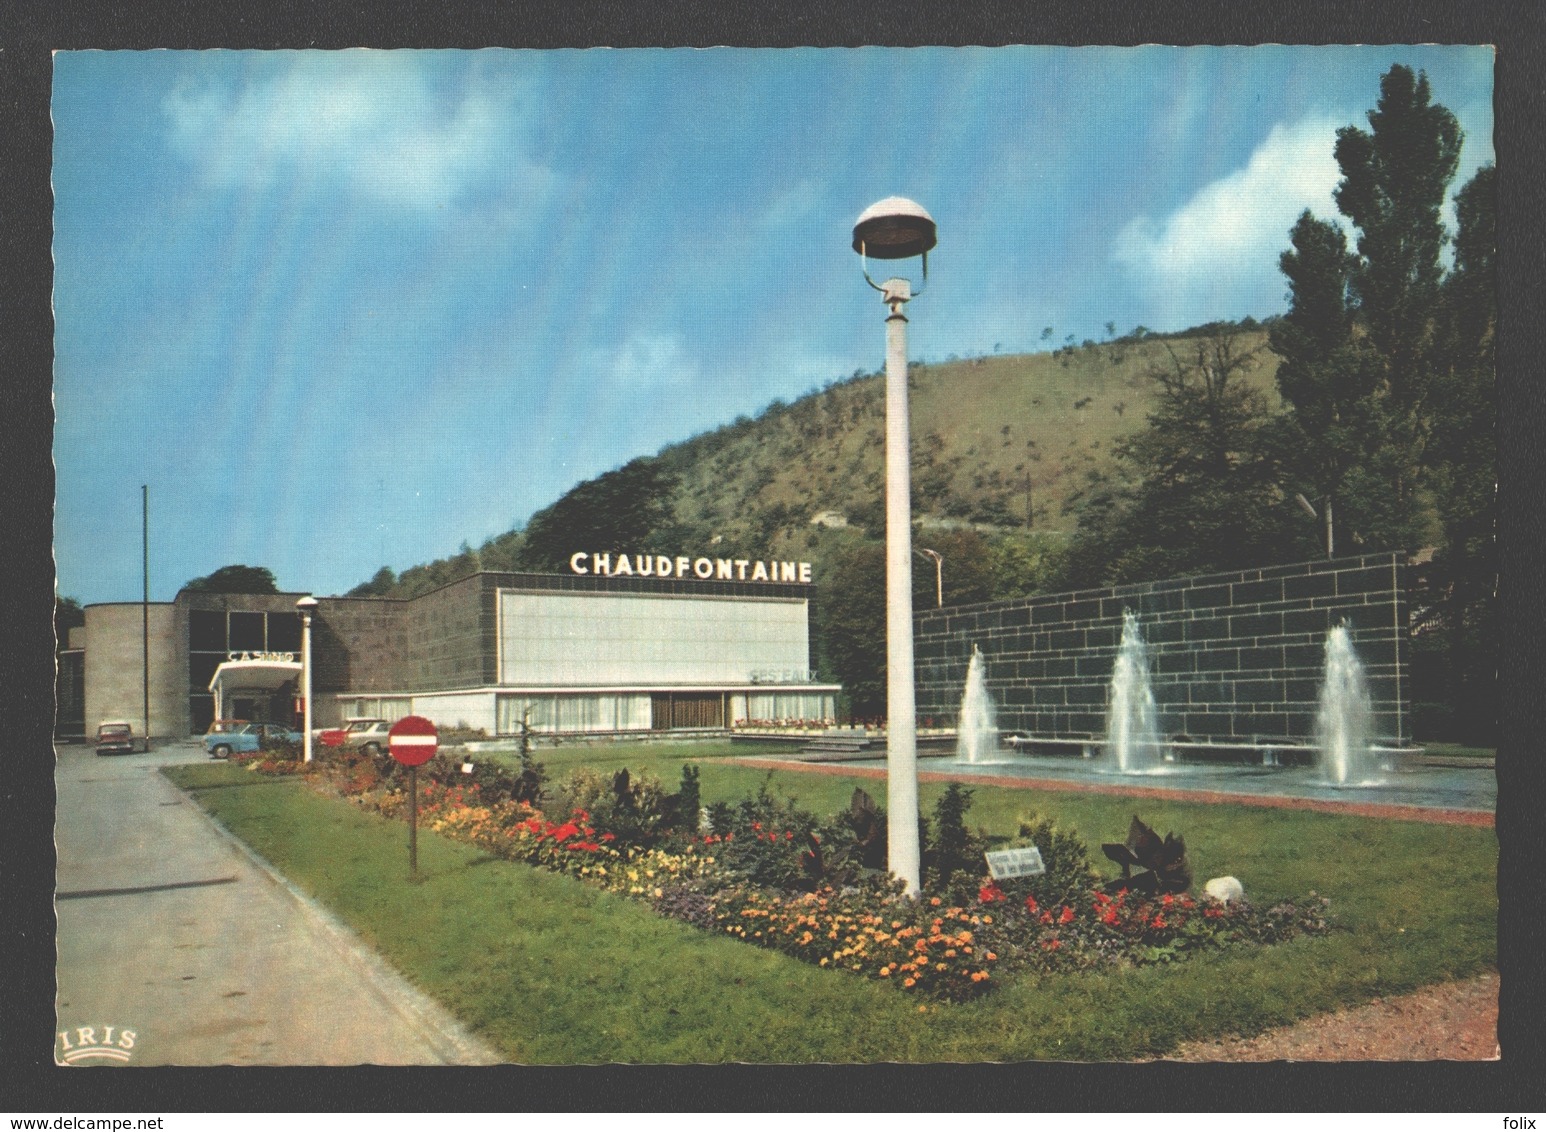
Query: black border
(26,856)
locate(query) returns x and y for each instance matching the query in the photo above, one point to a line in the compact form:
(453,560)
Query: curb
(450,1040)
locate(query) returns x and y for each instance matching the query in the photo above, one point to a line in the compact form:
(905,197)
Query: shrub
(953,862)
(770,842)
(689,803)
(637,811)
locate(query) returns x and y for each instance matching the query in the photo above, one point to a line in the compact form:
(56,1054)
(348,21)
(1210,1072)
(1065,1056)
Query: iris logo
(81,1045)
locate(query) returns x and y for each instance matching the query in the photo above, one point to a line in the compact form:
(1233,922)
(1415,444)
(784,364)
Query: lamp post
(897,228)
(1309,509)
(306,605)
(939,575)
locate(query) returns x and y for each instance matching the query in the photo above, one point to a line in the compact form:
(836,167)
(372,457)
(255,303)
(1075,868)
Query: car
(359,734)
(115,737)
(239,738)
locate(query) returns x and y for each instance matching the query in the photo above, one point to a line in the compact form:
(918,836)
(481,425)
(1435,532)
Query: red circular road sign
(413,740)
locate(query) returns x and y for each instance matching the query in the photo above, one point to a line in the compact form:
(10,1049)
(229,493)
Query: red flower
(1030,905)
(1046,917)
(990,893)
(1067,916)
(609,837)
(788,835)
(1159,920)
(757,825)
(565,831)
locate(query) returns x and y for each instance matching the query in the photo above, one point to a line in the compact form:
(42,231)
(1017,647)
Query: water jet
(1132,720)
(977,724)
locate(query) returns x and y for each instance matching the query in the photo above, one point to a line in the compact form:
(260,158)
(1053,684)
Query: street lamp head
(307,604)
(894,228)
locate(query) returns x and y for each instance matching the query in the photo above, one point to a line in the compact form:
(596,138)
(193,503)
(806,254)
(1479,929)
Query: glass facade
(213,634)
(645,639)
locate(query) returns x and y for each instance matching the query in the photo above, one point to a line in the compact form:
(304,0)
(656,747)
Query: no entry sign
(413,740)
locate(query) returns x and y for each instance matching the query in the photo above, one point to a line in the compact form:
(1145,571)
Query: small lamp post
(1309,509)
(307,605)
(897,228)
(939,575)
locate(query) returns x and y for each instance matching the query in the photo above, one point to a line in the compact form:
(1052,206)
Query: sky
(345,310)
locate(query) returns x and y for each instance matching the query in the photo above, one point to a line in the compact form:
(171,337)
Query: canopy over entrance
(263,677)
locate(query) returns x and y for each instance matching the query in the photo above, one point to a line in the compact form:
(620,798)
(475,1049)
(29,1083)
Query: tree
(1196,491)
(1394,179)
(380,585)
(235,580)
(1388,381)
(627,510)
(851,619)
(68,615)
(1328,379)
(1458,624)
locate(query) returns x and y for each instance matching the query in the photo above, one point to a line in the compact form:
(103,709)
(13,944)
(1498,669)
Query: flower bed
(768,873)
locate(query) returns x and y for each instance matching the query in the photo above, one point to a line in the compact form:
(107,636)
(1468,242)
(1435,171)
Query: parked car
(239,738)
(361,734)
(115,737)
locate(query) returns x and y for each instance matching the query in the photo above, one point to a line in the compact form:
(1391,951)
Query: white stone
(1226,890)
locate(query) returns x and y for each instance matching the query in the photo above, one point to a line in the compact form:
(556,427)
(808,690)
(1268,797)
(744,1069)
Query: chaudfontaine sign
(704,569)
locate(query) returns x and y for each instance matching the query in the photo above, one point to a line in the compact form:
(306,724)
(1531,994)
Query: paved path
(171,930)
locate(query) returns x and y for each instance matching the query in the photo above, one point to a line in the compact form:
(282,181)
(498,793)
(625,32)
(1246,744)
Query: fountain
(977,727)
(1342,722)
(1132,728)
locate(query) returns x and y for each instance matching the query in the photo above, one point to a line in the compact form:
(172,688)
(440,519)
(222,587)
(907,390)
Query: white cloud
(648,361)
(793,204)
(370,119)
(1222,245)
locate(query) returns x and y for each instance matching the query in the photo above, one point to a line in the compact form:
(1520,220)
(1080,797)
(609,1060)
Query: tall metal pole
(145,603)
(1329,544)
(901,709)
(306,684)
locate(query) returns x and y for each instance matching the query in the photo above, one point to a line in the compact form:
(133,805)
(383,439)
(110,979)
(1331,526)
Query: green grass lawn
(551,971)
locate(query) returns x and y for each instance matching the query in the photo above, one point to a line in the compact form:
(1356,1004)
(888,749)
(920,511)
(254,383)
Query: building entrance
(674,711)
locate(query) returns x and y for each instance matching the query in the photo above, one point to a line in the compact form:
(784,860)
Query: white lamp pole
(939,575)
(897,228)
(306,605)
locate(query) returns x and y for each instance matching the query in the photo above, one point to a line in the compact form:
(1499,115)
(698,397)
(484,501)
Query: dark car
(115,737)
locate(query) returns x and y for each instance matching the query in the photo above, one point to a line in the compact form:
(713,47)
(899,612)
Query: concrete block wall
(1236,657)
(114,675)
(358,645)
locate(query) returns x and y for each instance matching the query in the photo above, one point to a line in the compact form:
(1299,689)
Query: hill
(1001,444)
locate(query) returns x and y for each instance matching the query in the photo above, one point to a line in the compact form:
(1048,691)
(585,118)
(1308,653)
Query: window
(247,632)
(284,633)
(206,630)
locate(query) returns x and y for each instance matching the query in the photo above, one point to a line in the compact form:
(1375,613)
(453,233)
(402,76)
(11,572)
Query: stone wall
(1234,657)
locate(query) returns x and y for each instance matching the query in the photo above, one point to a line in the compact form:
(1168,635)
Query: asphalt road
(177,946)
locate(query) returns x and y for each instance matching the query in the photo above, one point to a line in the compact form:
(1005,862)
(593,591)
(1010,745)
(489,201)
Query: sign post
(413,741)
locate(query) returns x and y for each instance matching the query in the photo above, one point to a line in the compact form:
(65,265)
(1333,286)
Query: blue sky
(346,310)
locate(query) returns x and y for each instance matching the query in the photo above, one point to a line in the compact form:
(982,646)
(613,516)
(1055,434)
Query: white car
(368,735)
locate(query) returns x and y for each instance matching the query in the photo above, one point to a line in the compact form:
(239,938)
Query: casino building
(624,644)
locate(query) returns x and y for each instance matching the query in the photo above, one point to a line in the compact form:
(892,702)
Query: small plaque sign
(1006,863)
